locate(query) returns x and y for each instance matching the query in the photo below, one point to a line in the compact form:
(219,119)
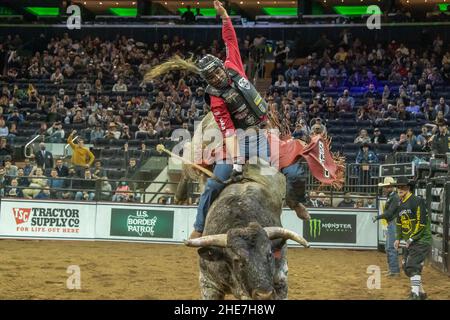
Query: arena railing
(405,157)
(75,188)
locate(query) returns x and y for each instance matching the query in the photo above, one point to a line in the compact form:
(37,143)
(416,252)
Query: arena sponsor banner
(47,219)
(331,228)
(142,223)
(335,228)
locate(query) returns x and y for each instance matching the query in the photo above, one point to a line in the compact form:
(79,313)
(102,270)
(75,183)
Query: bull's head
(250,255)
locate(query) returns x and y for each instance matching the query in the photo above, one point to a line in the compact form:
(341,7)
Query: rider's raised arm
(233,60)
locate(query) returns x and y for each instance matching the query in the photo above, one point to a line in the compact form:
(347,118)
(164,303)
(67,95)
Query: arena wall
(72,220)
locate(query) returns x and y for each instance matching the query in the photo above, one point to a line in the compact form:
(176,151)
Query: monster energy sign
(141,223)
(338,228)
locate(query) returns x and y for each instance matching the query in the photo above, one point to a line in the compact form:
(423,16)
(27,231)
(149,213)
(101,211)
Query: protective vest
(245,104)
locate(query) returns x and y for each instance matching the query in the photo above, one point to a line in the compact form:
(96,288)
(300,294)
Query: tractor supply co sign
(49,219)
(339,228)
(142,223)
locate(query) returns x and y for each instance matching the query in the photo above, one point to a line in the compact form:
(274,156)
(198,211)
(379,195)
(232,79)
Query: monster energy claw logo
(314,227)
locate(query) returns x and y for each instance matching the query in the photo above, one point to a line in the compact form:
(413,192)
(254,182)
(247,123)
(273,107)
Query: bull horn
(278,232)
(217,240)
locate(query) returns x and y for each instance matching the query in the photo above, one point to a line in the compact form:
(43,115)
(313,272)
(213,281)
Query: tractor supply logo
(141,223)
(331,228)
(55,220)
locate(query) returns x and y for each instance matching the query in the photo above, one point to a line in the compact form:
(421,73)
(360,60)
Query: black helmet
(208,66)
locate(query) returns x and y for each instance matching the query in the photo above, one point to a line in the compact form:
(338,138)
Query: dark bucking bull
(243,248)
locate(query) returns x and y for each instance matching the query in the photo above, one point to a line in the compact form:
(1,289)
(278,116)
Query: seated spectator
(366,156)
(412,141)
(3,181)
(120,87)
(325,200)
(363,137)
(317,127)
(11,170)
(42,131)
(126,134)
(43,194)
(22,179)
(37,181)
(378,137)
(98,171)
(390,114)
(442,106)
(331,109)
(85,186)
(105,189)
(429,110)
(56,133)
(57,78)
(313,201)
(371,92)
(301,130)
(401,145)
(15,116)
(370,204)
(315,85)
(345,103)
(423,139)
(30,165)
(359,203)
(347,202)
(97,133)
(14,190)
(55,182)
(61,169)
(413,108)
(4,130)
(84,87)
(122,193)
(280,83)
(5,148)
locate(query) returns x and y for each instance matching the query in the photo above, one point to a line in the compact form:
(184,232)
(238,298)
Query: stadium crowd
(372,98)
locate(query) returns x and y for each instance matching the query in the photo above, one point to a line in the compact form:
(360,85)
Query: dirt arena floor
(110,270)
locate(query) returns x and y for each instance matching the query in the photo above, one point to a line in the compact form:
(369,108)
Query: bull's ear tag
(277,254)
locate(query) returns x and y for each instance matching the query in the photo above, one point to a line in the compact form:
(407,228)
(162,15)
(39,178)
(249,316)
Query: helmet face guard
(209,67)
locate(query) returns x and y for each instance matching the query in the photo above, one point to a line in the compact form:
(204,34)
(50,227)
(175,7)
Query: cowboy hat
(403,181)
(388,181)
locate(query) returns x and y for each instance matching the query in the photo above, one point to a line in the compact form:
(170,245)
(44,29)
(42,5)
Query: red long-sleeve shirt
(233,61)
